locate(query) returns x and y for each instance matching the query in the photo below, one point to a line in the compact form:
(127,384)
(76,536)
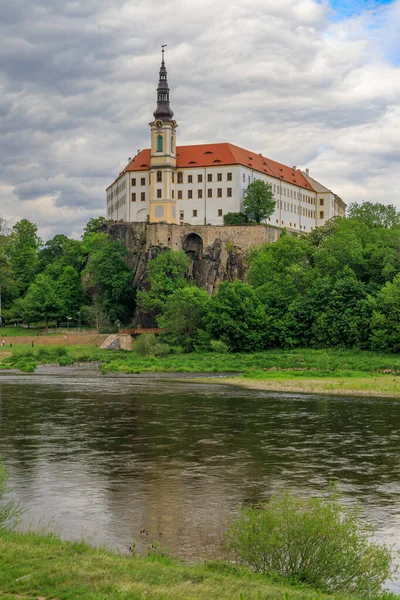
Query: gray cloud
(78,89)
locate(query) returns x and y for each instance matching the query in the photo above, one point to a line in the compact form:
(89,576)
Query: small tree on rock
(259,203)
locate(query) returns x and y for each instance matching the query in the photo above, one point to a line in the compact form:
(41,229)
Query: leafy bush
(219,346)
(235,218)
(65,361)
(144,344)
(10,511)
(317,541)
(59,351)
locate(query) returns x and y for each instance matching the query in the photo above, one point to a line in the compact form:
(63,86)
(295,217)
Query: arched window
(159,176)
(159,143)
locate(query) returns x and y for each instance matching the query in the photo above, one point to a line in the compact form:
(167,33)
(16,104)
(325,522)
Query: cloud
(294,80)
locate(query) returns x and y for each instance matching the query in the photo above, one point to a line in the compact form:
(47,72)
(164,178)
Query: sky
(312,83)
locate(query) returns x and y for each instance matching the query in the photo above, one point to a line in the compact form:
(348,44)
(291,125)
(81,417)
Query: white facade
(208,193)
(161,185)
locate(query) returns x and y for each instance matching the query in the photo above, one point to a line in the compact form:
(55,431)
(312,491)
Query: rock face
(212,251)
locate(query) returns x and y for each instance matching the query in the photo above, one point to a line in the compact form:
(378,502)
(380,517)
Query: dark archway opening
(192,244)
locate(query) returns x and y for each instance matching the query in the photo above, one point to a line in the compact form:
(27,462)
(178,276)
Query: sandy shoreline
(382,387)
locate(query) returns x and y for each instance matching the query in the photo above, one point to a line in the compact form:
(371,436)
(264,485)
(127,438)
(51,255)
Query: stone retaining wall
(75,339)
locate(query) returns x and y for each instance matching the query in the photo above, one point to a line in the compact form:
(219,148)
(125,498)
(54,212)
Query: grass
(304,370)
(44,566)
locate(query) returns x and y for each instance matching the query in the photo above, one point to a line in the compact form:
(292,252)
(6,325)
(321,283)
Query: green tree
(237,317)
(259,203)
(22,249)
(95,225)
(385,321)
(107,276)
(235,218)
(41,301)
(166,273)
(183,317)
(70,292)
(375,214)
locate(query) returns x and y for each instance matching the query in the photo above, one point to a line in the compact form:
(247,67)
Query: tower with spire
(163,155)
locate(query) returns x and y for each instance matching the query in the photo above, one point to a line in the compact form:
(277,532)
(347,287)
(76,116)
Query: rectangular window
(134,181)
(321,214)
(219,192)
(321,201)
(220,212)
(249,178)
(229,192)
(143,181)
(229,176)
(199,193)
(194,212)
(179,194)
(173,194)
(159,193)
(180,177)
(134,197)
(219,176)
(209,193)
(244,178)
(190,178)
(190,194)
(181,215)
(209,177)
(291,208)
(199,178)
(142,196)
(159,176)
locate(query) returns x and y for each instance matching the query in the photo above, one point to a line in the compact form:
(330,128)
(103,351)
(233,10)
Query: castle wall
(239,236)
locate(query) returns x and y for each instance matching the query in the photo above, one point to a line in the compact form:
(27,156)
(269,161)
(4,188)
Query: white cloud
(79,82)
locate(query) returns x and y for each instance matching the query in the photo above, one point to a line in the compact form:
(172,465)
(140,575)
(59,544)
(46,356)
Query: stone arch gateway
(192,244)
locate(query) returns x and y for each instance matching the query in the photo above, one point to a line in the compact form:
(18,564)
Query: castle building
(199,184)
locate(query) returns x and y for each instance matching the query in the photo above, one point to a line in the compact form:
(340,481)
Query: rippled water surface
(109,457)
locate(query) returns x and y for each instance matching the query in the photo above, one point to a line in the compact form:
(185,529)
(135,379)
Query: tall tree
(41,301)
(183,316)
(108,277)
(165,274)
(375,214)
(237,317)
(22,248)
(259,203)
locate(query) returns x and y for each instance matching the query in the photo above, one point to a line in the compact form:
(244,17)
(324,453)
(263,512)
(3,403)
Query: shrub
(59,351)
(219,346)
(235,218)
(144,344)
(65,361)
(317,541)
(10,511)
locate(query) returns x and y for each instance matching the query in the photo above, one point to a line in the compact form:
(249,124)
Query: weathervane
(162,49)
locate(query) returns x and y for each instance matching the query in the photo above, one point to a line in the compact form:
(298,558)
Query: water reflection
(108,457)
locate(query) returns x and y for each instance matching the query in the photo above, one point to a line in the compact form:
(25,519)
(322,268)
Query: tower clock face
(159,123)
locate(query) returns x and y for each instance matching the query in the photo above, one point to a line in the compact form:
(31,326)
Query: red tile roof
(212,155)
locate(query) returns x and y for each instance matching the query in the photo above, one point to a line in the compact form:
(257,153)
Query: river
(116,459)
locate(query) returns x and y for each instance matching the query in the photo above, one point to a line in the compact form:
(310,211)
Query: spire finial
(163,110)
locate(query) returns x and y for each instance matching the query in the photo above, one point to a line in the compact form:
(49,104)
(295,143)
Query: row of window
(195,213)
(114,192)
(190,194)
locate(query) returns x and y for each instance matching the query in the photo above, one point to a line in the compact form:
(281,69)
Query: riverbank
(342,372)
(385,386)
(44,566)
